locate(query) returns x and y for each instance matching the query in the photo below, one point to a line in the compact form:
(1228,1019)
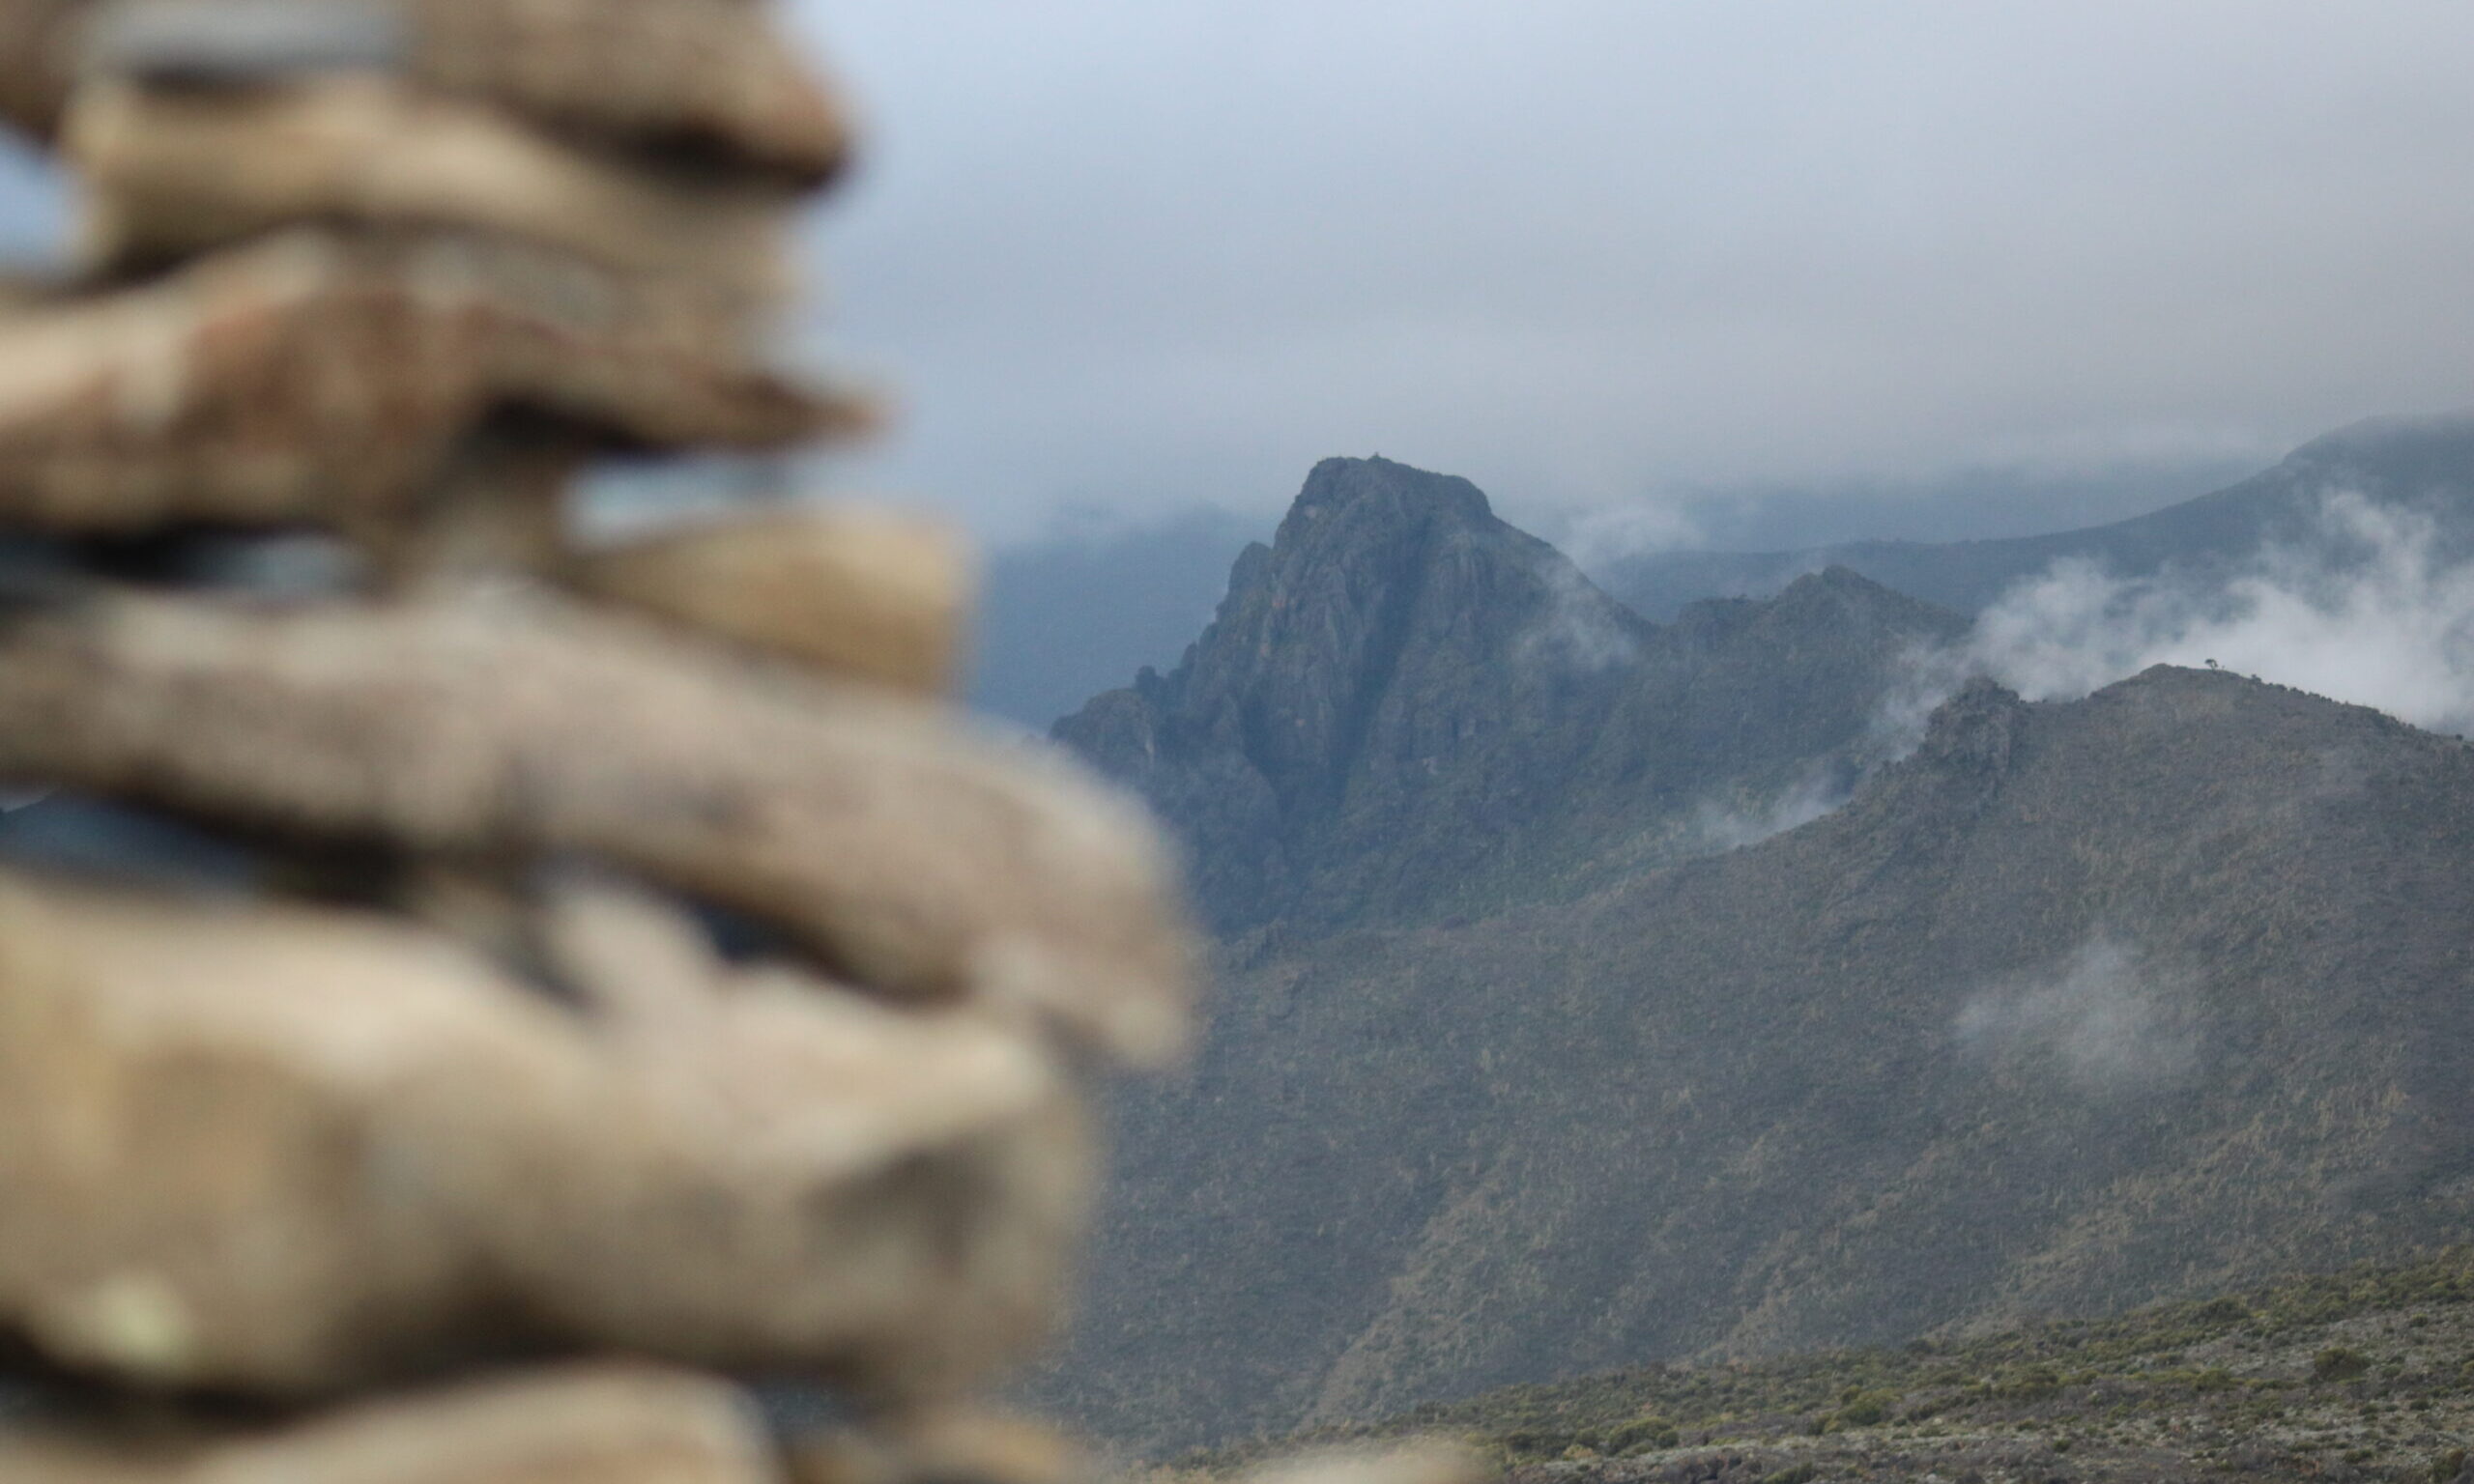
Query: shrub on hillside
(1640,1435)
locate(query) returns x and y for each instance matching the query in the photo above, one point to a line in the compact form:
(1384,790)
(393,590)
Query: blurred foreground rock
(288,1150)
(712,73)
(856,592)
(479,970)
(879,835)
(605,1426)
(316,378)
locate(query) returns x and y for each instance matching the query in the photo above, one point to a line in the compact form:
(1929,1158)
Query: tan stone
(285,1151)
(952,1440)
(842,1456)
(920,859)
(715,75)
(942,1442)
(321,378)
(170,172)
(606,1424)
(711,71)
(497,503)
(873,594)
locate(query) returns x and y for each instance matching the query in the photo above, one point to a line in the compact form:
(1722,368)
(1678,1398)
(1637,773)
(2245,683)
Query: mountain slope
(1407,709)
(2080,1005)
(2423,462)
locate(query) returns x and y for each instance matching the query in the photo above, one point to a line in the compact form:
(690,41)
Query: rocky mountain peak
(1369,542)
(1406,707)
(1378,488)
(1390,630)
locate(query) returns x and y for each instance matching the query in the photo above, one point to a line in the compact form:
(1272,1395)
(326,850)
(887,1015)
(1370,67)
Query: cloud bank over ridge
(2374,610)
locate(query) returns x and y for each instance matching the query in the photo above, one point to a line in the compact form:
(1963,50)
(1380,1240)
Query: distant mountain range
(1519,1069)
(1078,610)
(2416,460)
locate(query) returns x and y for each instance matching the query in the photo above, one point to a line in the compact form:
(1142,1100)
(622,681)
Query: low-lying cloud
(1580,628)
(1724,827)
(2104,1018)
(2370,609)
(1598,538)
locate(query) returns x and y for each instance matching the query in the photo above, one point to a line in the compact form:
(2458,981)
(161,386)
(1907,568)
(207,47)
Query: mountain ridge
(2425,460)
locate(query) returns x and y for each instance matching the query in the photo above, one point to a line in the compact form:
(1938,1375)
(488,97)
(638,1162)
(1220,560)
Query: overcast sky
(1636,255)
(1136,254)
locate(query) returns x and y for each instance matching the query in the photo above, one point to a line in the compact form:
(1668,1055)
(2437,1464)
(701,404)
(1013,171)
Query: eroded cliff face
(1407,710)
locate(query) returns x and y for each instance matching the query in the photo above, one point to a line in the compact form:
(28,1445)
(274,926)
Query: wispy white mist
(1597,537)
(1580,628)
(2103,1018)
(2368,609)
(1727,827)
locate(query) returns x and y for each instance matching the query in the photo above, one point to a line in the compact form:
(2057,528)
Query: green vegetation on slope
(2366,1374)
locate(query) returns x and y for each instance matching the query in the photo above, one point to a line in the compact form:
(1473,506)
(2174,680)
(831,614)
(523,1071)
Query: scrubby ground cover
(2364,1375)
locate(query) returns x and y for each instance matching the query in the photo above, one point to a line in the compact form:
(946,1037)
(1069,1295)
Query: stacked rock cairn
(482,1001)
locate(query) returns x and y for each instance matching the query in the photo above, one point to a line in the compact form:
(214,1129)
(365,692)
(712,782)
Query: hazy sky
(1136,255)
(1143,253)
